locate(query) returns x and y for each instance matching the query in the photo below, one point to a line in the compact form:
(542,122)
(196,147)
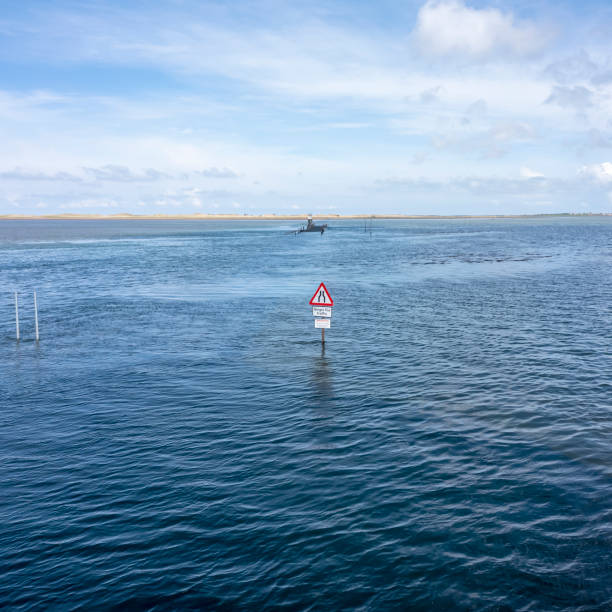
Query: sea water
(180,439)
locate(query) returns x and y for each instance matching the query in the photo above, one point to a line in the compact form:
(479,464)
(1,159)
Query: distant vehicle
(311,226)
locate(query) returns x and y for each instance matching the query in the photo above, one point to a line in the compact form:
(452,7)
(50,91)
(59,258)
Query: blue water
(179,440)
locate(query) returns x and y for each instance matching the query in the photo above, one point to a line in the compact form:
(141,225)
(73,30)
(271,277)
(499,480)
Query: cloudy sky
(437,107)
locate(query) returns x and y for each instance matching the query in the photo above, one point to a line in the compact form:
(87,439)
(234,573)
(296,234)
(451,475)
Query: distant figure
(322,230)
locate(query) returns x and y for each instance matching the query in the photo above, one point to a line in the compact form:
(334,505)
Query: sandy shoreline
(233,217)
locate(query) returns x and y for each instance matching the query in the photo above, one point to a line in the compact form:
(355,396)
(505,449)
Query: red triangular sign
(321,297)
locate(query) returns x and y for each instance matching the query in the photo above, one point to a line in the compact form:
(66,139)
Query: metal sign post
(322,303)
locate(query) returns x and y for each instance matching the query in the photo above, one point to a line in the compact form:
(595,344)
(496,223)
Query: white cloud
(19,174)
(122,174)
(528,173)
(215,172)
(576,67)
(494,141)
(476,110)
(600,172)
(261,103)
(598,138)
(449,27)
(313,60)
(577,97)
(430,95)
(478,185)
(79,204)
(113,173)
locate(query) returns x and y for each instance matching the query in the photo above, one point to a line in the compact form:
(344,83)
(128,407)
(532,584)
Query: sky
(345,107)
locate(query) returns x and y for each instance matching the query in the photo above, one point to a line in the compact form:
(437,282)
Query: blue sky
(437,107)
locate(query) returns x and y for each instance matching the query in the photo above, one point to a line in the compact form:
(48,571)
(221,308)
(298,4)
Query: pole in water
(17,315)
(36,316)
(322,335)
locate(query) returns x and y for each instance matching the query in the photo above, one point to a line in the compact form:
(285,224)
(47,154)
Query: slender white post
(17,315)
(36,316)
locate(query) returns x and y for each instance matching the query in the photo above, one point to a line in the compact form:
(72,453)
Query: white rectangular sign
(321,311)
(325,323)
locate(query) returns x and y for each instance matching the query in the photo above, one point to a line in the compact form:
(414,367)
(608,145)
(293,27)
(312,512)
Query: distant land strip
(235,217)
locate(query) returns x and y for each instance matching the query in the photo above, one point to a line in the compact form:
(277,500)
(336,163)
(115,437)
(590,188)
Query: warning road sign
(321,297)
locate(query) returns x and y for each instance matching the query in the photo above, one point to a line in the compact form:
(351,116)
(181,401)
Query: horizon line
(284,217)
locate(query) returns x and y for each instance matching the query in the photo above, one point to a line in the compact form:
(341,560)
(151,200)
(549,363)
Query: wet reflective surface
(179,439)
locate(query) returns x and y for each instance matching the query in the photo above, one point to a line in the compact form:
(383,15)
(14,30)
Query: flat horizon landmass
(272,217)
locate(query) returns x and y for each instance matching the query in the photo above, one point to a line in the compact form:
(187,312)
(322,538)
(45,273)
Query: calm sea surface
(179,440)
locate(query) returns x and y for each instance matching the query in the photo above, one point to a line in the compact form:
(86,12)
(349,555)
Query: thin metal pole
(17,315)
(36,316)
(322,335)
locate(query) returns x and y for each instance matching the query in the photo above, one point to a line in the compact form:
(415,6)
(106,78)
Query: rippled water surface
(179,440)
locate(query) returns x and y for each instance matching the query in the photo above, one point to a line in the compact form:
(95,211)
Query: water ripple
(180,440)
